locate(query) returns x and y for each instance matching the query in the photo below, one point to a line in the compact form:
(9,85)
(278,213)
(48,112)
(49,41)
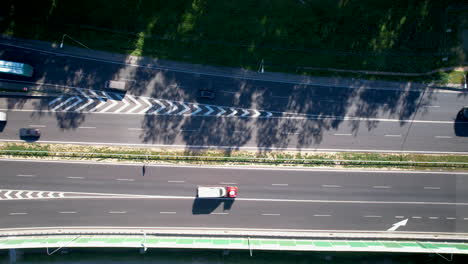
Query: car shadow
(29,139)
(2,126)
(460,126)
(208,205)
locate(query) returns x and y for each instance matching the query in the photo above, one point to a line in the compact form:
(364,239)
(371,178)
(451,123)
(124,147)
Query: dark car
(30,132)
(464,113)
(206,94)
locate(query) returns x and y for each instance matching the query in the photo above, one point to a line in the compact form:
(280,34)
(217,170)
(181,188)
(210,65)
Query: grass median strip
(217,157)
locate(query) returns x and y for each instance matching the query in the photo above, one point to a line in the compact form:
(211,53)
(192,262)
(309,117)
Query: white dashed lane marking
(37,126)
(176,181)
(322,215)
(393,135)
(73,177)
(124,179)
(442,136)
(18,213)
(372,216)
(117,212)
(26,175)
(167,212)
(343,134)
(68,212)
(431,188)
(220,213)
(270,214)
(331,186)
(381,187)
(279,184)
(87,127)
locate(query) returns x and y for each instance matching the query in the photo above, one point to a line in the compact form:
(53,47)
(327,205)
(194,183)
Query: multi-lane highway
(161,107)
(43,193)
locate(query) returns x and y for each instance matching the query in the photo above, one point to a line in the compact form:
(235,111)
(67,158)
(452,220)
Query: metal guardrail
(305,161)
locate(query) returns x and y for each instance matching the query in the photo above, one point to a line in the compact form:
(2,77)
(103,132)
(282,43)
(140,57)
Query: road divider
(219,157)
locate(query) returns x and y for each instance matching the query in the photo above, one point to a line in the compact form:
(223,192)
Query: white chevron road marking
(197,111)
(147,108)
(234,112)
(171,105)
(257,113)
(112,104)
(155,112)
(221,111)
(246,113)
(135,102)
(210,110)
(122,107)
(186,109)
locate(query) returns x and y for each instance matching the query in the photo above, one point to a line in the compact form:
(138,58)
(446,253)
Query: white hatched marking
(196,111)
(90,101)
(135,102)
(56,100)
(234,112)
(29,195)
(61,194)
(18,194)
(63,103)
(122,107)
(147,108)
(102,102)
(269,114)
(112,104)
(50,195)
(79,100)
(7,194)
(210,110)
(40,194)
(221,111)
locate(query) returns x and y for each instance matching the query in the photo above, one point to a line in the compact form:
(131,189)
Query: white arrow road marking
(147,108)
(221,111)
(113,103)
(7,194)
(210,110)
(186,108)
(196,111)
(123,107)
(134,101)
(174,107)
(74,104)
(269,114)
(246,113)
(55,100)
(155,112)
(63,103)
(397,225)
(257,113)
(29,195)
(234,112)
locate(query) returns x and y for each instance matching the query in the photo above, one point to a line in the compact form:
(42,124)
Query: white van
(116,85)
(3,117)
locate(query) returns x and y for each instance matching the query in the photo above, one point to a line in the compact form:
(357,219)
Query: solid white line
(343,134)
(393,135)
(279,184)
(381,187)
(68,212)
(399,216)
(331,186)
(227,183)
(36,126)
(270,214)
(73,177)
(134,128)
(219,213)
(18,213)
(26,175)
(431,188)
(125,179)
(321,215)
(176,181)
(450,218)
(442,136)
(167,212)
(87,127)
(117,212)
(373,216)
(433,217)
(416,217)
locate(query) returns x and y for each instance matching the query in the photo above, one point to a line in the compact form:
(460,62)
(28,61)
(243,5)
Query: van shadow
(208,205)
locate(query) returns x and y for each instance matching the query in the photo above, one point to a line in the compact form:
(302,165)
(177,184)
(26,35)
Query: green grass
(386,35)
(214,157)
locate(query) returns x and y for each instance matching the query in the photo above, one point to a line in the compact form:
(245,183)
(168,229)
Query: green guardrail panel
(167,240)
(221,241)
(339,243)
(268,242)
(115,240)
(152,240)
(462,247)
(322,244)
(391,245)
(135,239)
(15,241)
(254,242)
(56,240)
(185,241)
(83,240)
(357,244)
(409,244)
(427,245)
(444,245)
(304,243)
(202,240)
(287,243)
(373,244)
(237,241)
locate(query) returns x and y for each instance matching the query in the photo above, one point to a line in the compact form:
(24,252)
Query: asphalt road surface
(161,107)
(40,194)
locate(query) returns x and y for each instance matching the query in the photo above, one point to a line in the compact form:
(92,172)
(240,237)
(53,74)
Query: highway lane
(269,198)
(238,214)
(241,132)
(254,183)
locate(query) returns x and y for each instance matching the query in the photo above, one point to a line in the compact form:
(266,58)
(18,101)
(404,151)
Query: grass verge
(216,157)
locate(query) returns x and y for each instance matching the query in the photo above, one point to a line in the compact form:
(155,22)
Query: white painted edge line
(240,148)
(26,175)
(224,167)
